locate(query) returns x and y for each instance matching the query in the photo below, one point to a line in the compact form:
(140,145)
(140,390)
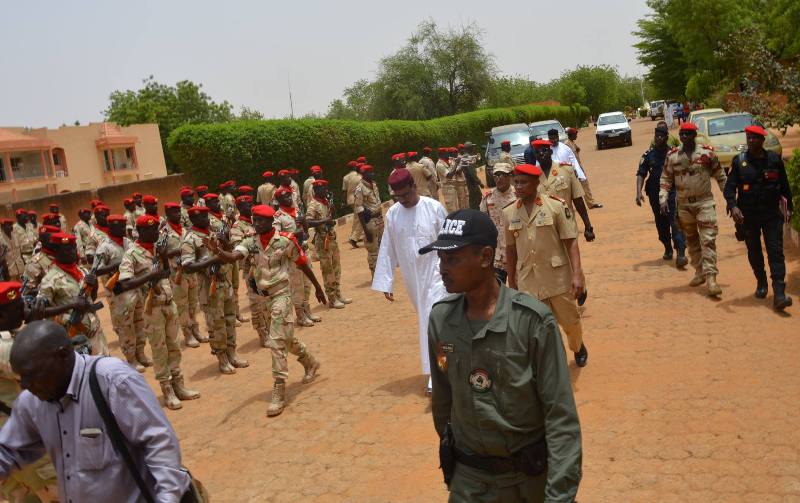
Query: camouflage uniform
(691,176)
(96,236)
(271,274)
(185,221)
(493,204)
(327,247)
(228,205)
(421,174)
(39,478)
(445,186)
(297,197)
(62,222)
(366,197)
(59,288)
(299,285)
(264,193)
(180,289)
(349,184)
(36,269)
(82,231)
(433,182)
(161,323)
(16,266)
(241,230)
(24,241)
(137,212)
(456,196)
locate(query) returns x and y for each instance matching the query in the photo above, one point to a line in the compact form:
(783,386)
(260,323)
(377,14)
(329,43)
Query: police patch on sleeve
(441,357)
(480,381)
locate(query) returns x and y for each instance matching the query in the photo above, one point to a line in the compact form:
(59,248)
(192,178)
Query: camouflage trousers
(235,284)
(96,336)
(375,226)
(698,221)
(127,320)
(300,287)
(330,264)
(281,333)
(180,296)
(456,196)
(220,313)
(258,318)
(357,231)
(470,485)
(161,326)
(31,483)
(191,302)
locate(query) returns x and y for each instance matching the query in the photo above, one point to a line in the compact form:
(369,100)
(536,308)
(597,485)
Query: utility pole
(291,105)
(641,88)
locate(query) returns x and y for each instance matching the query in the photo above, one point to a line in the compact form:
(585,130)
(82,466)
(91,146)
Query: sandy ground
(684,399)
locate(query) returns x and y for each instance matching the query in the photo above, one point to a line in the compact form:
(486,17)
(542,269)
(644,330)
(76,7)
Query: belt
(695,199)
(271,292)
(491,464)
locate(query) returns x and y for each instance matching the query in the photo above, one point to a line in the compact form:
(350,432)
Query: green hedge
(242,150)
(793,171)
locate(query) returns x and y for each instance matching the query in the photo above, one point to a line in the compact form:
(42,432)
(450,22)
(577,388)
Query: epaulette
(565,164)
(535,305)
(509,204)
(448,299)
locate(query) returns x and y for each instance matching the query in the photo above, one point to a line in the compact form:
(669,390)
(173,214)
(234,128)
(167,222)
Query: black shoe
(582,297)
(761,287)
(780,300)
(353,243)
(681,261)
(667,254)
(596,205)
(582,356)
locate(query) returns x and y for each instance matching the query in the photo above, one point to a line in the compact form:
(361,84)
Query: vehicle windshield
(726,125)
(540,130)
(517,138)
(656,104)
(612,119)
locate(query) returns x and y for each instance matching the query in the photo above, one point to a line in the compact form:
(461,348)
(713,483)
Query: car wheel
(630,140)
(599,145)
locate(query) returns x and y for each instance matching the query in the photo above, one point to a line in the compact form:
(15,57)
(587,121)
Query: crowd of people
(501,396)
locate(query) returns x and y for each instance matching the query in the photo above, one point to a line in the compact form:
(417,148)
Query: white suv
(612,127)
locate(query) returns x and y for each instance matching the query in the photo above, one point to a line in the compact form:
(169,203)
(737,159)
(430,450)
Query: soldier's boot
(170,400)
(278,401)
(239,317)
(181,391)
(224,365)
(202,339)
(311,316)
(698,279)
(130,356)
(343,299)
(681,260)
(761,285)
(302,319)
(667,252)
(780,301)
(714,289)
(234,360)
(311,366)
(263,336)
(189,338)
(335,303)
(142,357)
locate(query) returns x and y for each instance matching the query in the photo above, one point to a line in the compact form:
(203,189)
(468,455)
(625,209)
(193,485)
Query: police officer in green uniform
(502,399)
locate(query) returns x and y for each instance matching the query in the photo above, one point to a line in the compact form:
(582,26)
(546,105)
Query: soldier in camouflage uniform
(41,261)
(266,189)
(690,170)
(139,207)
(422,174)
(349,184)
(442,167)
(179,281)
(82,231)
(136,272)
(62,220)
(187,201)
(13,258)
(21,235)
(130,216)
(320,217)
(492,204)
(274,253)
(217,302)
(63,283)
(38,481)
(456,196)
(32,226)
(367,205)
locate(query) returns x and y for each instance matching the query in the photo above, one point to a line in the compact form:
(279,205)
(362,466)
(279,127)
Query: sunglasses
(500,174)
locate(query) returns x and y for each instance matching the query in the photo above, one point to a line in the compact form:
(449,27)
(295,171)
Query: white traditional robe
(405,231)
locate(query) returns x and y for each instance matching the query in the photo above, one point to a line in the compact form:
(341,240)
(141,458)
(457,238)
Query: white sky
(61,60)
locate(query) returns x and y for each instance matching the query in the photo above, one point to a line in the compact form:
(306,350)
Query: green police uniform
(503,385)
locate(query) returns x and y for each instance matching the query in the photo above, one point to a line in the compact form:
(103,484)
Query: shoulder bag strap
(114,433)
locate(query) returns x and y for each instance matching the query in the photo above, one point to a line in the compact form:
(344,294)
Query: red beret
(51,205)
(245,188)
(352,164)
(541,143)
(210,195)
(411,154)
(49,228)
(201,188)
(62,238)
(399,157)
(361,158)
(442,150)
(21,211)
(136,194)
(117,218)
(268,174)
(322,183)
(316,169)
(51,216)
(194,210)
(571,130)
(172,205)
(244,199)
(6,221)
(183,187)
(83,210)
(147,221)
(688,126)
(527,169)
(460,145)
(31,212)
(505,142)
(186,192)
(101,207)
(95,202)
(453,150)
(400,178)
(366,167)
(148,199)
(281,191)
(426,149)
(9,291)
(230,183)
(756,130)
(283,172)
(223,185)
(262,210)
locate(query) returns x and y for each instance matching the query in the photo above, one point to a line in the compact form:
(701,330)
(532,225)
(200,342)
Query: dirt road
(684,399)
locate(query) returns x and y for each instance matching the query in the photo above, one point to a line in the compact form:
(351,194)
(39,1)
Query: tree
(659,51)
(249,114)
(168,106)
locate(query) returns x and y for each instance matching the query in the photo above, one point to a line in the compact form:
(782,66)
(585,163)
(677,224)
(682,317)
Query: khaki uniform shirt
(493,204)
(23,240)
(318,210)
(562,182)
(433,181)
(14,261)
(507,158)
(349,184)
(543,267)
(284,222)
(33,231)
(441,170)
(421,174)
(137,261)
(96,237)
(186,222)
(367,197)
(82,231)
(504,384)
(297,196)
(240,230)
(138,211)
(272,262)
(59,288)
(691,175)
(264,193)
(193,250)
(109,251)
(36,269)
(307,194)
(576,150)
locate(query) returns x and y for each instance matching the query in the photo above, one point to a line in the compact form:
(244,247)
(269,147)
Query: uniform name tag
(448,348)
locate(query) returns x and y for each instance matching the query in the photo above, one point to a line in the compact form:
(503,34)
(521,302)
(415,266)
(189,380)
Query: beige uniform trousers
(565,309)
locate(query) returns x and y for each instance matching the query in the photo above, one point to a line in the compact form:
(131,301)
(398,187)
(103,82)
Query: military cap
(210,196)
(172,206)
(147,221)
(756,130)
(400,178)
(323,183)
(62,238)
(361,158)
(245,189)
(6,221)
(527,169)
(49,229)
(541,143)
(194,210)
(281,191)
(201,188)
(136,194)
(148,199)
(688,126)
(244,199)
(116,218)
(267,174)
(186,192)
(9,291)
(365,167)
(21,211)
(316,169)
(262,210)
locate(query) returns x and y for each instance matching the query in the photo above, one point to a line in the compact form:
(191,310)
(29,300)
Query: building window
(2,171)
(27,165)
(60,163)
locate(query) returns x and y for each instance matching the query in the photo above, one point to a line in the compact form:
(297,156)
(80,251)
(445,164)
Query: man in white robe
(411,223)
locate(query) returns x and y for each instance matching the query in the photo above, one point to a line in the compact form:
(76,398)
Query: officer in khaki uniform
(349,184)
(442,167)
(542,254)
(690,169)
(459,196)
(502,401)
(136,271)
(320,216)
(367,206)
(265,190)
(420,173)
(274,252)
(430,167)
